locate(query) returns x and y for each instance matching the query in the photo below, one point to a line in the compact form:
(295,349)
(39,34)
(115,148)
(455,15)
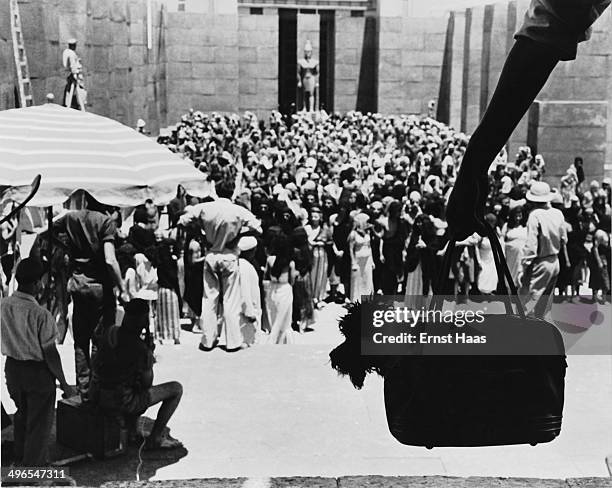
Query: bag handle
(501,266)
(446,265)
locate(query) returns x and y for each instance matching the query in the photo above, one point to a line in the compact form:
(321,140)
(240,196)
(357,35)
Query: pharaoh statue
(308,79)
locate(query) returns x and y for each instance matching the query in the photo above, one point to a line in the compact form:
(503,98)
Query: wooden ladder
(21,59)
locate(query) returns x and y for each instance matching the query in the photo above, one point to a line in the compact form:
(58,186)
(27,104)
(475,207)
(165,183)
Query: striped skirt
(168,320)
(318,273)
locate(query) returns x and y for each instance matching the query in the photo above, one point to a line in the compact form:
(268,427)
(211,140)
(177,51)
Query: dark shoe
(166,442)
(205,349)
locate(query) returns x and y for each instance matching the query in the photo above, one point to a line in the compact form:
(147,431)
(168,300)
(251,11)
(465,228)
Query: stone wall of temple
(258,60)
(7,62)
(222,56)
(572,114)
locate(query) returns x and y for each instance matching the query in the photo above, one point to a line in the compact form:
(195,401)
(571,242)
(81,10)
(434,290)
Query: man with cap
(32,365)
(546,238)
(74,73)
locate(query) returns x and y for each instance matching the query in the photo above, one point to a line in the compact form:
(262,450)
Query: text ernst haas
(459,338)
(426,338)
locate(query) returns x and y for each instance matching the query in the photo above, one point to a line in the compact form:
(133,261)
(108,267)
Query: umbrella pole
(49,255)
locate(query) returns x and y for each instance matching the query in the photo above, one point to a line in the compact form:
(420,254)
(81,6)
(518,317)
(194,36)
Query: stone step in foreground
(369,482)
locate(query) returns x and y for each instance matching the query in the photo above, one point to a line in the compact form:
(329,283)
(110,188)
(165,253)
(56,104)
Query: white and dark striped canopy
(75,150)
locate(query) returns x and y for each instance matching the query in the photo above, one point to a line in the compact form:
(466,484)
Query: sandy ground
(282,411)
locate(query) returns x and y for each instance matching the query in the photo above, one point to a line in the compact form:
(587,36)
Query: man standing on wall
(74,93)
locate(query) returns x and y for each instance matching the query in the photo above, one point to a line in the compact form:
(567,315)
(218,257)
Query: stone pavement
(369,482)
(373,482)
(279,411)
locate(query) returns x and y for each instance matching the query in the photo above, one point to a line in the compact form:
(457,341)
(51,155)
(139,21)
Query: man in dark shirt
(95,270)
(122,382)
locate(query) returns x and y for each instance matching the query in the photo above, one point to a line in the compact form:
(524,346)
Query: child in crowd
(141,287)
(168,324)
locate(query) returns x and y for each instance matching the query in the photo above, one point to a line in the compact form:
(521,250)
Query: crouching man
(32,365)
(122,379)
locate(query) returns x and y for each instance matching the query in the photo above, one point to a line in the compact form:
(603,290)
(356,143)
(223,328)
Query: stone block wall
(608,163)
(350,32)
(473,68)
(456,75)
(202,63)
(575,110)
(572,115)
(410,57)
(567,129)
(7,62)
(258,61)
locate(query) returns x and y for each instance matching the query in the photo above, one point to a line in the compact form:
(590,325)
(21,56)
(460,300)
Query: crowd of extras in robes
(349,205)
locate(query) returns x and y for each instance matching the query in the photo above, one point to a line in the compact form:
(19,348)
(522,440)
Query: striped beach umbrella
(75,150)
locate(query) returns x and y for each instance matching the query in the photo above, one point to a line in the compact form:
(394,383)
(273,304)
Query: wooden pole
(49,255)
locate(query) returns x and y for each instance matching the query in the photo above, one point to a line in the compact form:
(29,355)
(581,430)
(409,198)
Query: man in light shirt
(32,365)
(223,223)
(546,238)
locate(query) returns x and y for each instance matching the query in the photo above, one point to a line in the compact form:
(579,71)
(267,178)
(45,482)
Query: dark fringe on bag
(346,359)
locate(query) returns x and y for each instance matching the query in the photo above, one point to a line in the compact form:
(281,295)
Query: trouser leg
(542,278)
(32,387)
(85,318)
(232,302)
(19,398)
(210,302)
(41,406)
(543,306)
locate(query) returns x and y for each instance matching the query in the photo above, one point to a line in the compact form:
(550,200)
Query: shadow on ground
(95,472)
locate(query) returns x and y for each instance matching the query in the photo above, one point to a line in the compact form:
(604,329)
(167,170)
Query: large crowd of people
(318,208)
(361,198)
